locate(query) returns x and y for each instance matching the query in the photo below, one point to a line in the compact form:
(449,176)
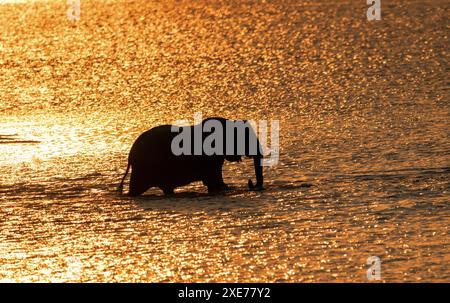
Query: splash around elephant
(169,156)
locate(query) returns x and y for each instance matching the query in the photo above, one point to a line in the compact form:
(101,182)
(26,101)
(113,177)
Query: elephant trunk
(258,172)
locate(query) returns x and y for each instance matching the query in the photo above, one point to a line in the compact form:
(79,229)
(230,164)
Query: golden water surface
(364,162)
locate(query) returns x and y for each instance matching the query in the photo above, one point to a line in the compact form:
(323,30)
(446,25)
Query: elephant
(156,161)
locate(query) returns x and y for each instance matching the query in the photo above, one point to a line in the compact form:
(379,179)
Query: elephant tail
(120,187)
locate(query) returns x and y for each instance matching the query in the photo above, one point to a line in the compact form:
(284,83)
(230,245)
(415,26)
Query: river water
(364,140)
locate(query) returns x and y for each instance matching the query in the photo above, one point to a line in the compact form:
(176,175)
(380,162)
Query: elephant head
(240,139)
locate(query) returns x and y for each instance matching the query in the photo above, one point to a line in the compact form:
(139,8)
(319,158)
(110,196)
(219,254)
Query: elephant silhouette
(159,158)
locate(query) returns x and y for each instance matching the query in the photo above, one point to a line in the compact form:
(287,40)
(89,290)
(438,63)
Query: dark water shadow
(291,185)
(393,174)
(232,199)
(12,139)
(200,201)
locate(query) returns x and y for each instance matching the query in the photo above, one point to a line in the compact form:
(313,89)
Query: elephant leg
(222,184)
(167,190)
(214,188)
(139,181)
(213,178)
